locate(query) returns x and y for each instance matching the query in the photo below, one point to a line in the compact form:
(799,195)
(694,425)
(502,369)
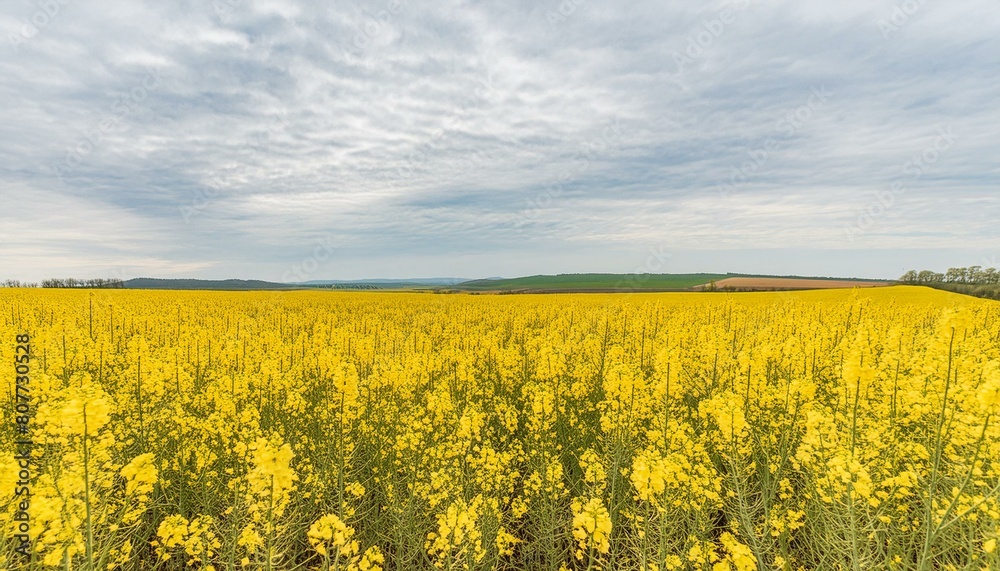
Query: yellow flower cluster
(458,542)
(328,534)
(591,527)
(140,476)
(196,538)
(330,537)
(738,557)
(270,480)
(683,478)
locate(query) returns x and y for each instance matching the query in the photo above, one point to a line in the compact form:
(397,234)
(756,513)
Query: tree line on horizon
(972,275)
(98,283)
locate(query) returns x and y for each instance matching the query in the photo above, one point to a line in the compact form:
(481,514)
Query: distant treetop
(971,275)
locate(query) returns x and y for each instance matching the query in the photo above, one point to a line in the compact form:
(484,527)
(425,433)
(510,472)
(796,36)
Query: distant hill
(235,284)
(528,284)
(157,283)
(592,282)
(389,282)
(561,282)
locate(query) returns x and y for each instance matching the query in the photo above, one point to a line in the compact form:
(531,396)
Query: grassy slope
(988,291)
(195,284)
(592,281)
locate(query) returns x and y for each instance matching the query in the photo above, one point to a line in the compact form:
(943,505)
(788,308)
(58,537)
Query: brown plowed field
(750,283)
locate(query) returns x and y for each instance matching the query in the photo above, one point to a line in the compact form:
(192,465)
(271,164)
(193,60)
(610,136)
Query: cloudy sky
(287,140)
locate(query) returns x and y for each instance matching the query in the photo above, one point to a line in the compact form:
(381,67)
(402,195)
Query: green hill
(195,284)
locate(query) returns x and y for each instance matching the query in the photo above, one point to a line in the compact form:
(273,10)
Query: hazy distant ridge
(559,282)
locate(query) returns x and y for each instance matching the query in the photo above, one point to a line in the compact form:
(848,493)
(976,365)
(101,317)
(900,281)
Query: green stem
(86,491)
(270,528)
(938,446)
(965,482)
(850,485)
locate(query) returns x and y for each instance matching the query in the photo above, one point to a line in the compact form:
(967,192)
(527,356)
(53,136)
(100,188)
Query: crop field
(764,284)
(591,282)
(168,430)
